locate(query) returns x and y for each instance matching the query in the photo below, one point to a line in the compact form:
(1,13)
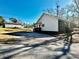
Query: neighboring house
(51,23)
(12,25)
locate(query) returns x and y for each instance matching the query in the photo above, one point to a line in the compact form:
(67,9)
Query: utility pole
(57,6)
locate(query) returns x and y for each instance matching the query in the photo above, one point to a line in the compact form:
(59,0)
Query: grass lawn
(6,37)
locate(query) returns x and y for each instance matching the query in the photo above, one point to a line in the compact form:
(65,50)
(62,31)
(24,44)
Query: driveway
(38,46)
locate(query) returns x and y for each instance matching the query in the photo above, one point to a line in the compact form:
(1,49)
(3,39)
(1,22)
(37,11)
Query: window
(43,25)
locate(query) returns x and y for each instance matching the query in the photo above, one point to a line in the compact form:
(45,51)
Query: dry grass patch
(75,38)
(75,35)
(6,38)
(6,30)
(9,30)
(34,41)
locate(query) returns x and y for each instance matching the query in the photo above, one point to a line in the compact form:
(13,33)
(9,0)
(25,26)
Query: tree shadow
(29,34)
(26,46)
(65,50)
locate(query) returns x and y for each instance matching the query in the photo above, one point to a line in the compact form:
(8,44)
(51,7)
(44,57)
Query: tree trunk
(3,25)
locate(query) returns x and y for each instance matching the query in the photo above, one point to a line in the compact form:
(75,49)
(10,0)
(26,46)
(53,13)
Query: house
(13,25)
(50,23)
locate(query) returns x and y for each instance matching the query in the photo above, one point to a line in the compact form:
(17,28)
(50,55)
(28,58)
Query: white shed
(50,23)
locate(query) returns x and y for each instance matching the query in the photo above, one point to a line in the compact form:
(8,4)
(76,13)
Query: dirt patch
(75,38)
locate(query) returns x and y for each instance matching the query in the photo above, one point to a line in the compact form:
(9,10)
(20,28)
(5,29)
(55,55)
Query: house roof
(62,19)
(43,15)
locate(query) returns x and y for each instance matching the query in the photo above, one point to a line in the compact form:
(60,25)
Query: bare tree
(76,5)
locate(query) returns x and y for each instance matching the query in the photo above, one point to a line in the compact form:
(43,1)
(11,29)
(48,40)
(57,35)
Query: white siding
(50,23)
(12,25)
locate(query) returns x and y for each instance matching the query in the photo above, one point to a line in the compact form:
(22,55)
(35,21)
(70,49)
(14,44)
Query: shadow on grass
(29,34)
(25,46)
(65,50)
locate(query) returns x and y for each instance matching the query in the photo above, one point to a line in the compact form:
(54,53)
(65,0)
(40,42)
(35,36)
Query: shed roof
(62,19)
